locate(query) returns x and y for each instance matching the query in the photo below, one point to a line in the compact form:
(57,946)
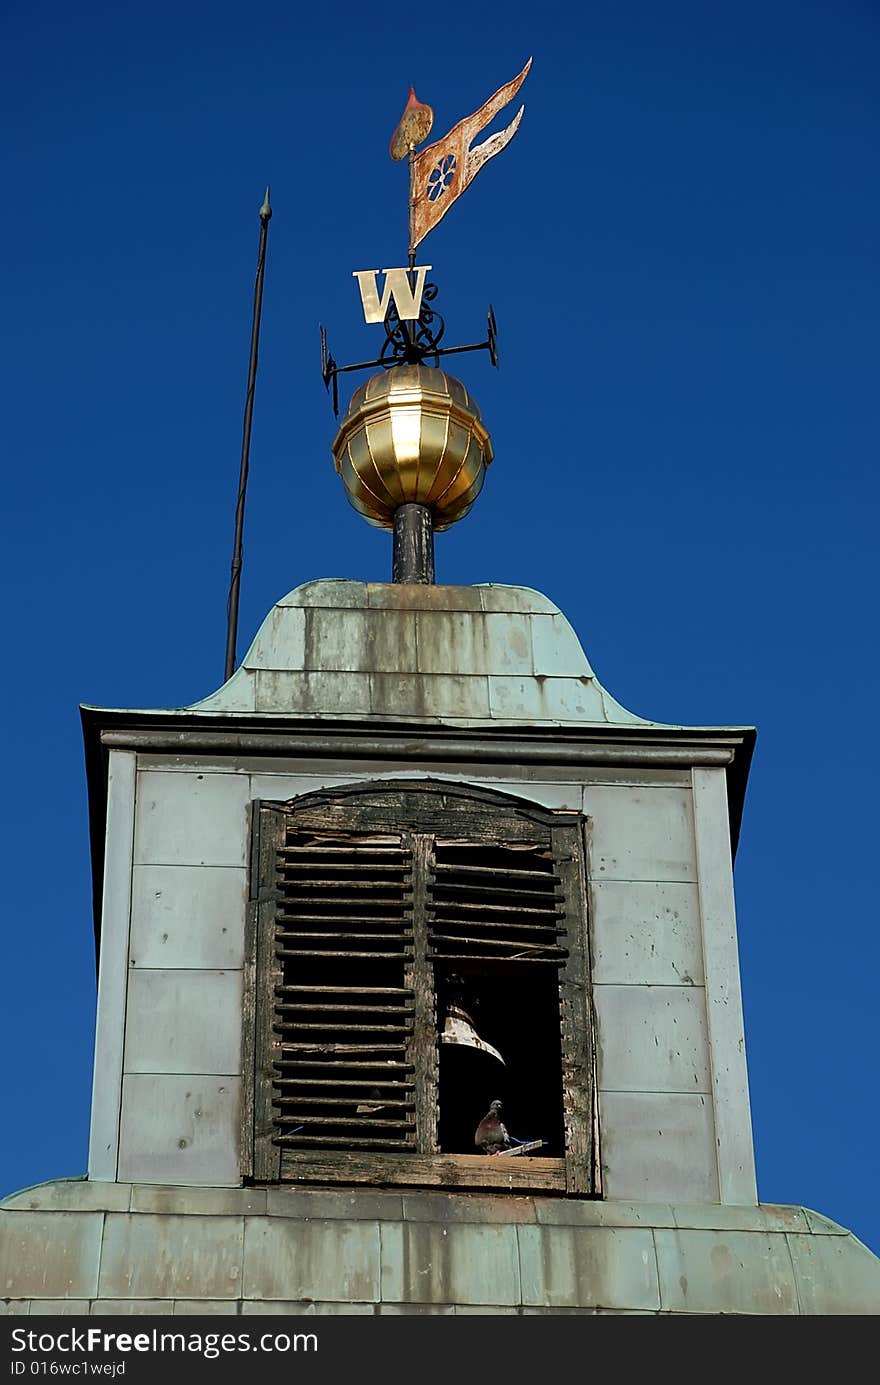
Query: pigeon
(491,1136)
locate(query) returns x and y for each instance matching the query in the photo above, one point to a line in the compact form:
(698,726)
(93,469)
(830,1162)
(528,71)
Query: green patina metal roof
(463,656)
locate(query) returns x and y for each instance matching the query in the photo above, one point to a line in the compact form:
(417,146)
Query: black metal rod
(457,350)
(235,575)
(361,365)
(413,559)
(431,351)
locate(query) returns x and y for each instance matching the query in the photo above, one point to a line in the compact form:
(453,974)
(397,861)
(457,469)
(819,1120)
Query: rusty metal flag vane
(405,302)
(441,173)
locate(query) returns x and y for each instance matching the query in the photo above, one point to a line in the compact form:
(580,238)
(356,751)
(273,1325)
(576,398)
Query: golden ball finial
(412,435)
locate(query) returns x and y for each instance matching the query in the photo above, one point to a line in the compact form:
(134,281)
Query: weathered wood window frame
(401,825)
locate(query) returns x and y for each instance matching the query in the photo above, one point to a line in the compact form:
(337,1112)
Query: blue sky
(681,248)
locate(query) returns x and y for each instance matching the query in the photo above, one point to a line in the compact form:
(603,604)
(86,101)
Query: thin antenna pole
(235,576)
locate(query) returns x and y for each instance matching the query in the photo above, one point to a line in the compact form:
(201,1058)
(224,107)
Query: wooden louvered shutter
(335,955)
(368,907)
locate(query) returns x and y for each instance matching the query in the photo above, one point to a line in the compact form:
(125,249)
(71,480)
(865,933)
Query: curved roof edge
(459,655)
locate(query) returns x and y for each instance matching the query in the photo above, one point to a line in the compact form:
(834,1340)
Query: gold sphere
(412,435)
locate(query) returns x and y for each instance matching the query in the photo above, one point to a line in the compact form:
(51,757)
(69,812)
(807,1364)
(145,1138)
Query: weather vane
(419,482)
(438,175)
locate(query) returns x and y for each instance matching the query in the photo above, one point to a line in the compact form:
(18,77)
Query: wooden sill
(418,1170)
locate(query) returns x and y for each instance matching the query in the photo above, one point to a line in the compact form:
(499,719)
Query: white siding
(736,1156)
(116,915)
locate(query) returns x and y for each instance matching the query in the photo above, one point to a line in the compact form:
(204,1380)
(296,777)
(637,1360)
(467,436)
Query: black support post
(413,545)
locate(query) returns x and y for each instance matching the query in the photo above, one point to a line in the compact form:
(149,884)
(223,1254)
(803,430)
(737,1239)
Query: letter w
(407,300)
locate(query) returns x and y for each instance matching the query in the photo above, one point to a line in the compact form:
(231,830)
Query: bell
(459,1029)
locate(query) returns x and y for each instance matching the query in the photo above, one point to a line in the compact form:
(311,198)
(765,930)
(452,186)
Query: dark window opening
(520,1018)
(497,933)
